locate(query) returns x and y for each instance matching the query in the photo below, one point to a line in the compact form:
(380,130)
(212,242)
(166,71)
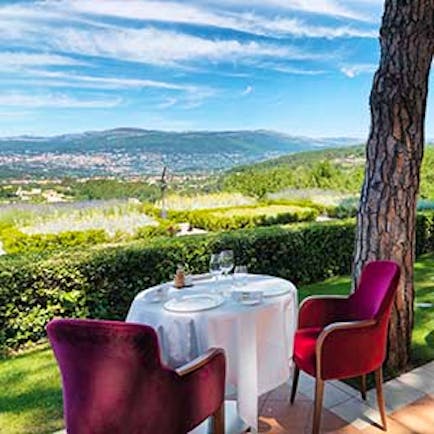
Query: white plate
(269,287)
(252,302)
(249,298)
(274,292)
(194,302)
(157,295)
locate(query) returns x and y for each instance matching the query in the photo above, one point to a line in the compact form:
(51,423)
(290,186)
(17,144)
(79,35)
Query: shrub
(15,241)
(101,282)
(223,219)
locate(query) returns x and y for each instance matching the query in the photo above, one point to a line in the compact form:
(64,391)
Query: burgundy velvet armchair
(345,337)
(114,381)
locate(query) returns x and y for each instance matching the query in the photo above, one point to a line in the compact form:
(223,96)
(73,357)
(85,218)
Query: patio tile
(357,412)
(262,400)
(420,378)
(283,393)
(430,367)
(418,416)
(330,423)
(396,395)
(333,395)
(279,416)
(355,393)
(393,427)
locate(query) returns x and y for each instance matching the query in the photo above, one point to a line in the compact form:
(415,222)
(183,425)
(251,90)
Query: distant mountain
(133,151)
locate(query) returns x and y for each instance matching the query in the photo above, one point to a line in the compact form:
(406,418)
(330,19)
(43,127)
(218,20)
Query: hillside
(339,169)
(130,152)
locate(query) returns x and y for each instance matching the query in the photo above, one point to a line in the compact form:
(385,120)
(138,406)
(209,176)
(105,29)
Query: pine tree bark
(387,214)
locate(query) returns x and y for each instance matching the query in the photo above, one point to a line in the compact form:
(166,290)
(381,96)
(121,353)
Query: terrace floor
(409,402)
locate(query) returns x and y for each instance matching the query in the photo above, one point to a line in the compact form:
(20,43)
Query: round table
(257,339)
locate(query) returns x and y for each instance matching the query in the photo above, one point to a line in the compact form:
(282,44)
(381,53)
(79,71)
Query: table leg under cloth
(247,371)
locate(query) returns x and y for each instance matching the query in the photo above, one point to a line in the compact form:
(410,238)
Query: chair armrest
(201,385)
(345,349)
(319,311)
(199,361)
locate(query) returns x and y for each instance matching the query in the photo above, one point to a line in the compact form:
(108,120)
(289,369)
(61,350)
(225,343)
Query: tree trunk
(386,218)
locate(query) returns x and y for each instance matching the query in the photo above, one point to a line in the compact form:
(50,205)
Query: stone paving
(409,402)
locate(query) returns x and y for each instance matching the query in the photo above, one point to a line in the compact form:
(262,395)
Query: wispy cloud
(16,60)
(18,99)
(285,69)
(110,82)
(160,47)
(247,91)
(168,102)
(334,8)
(13,114)
(352,71)
(241,21)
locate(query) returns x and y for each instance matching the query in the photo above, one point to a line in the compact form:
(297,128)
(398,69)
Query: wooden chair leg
(294,383)
(380,397)
(363,386)
(319,392)
(218,420)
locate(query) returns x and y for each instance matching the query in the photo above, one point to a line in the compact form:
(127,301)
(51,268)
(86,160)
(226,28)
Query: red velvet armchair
(345,337)
(114,381)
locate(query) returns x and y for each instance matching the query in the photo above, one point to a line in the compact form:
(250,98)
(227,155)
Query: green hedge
(101,282)
(232,218)
(15,241)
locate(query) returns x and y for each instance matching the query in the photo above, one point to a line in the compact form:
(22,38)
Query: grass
(30,391)
(179,202)
(267,210)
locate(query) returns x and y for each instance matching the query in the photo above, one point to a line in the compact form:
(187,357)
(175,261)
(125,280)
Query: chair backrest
(376,290)
(108,368)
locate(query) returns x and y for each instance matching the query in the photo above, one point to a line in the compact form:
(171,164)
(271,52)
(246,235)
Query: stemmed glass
(226,261)
(214,266)
(240,275)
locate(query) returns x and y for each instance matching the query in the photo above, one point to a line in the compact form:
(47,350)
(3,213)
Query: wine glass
(240,275)
(226,261)
(215,266)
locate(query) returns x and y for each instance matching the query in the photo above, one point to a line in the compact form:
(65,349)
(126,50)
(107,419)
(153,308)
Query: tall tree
(387,215)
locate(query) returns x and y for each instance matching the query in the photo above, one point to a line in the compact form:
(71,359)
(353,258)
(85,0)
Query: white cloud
(295,71)
(168,102)
(352,71)
(248,90)
(10,59)
(161,47)
(17,99)
(110,82)
(13,114)
(333,8)
(191,14)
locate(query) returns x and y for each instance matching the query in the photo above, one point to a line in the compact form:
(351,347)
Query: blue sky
(303,67)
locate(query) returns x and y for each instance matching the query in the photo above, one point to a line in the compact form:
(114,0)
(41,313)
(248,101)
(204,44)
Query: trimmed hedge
(232,218)
(15,241)
(101,282)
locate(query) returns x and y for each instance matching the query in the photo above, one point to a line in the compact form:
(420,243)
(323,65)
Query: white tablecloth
(258,340)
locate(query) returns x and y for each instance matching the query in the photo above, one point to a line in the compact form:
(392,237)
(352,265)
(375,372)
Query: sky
(302,67)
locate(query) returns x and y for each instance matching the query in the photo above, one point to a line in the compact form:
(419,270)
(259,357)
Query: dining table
(252,317)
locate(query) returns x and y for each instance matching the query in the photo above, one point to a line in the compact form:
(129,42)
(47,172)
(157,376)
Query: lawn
(30,394)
